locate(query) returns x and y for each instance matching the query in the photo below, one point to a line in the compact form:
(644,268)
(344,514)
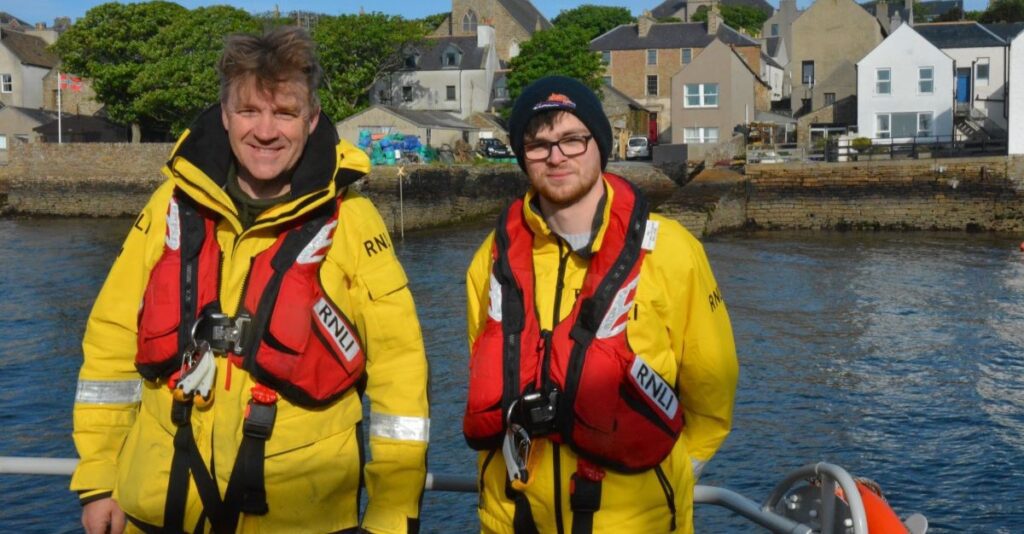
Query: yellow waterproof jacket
(122,426)
(680,325)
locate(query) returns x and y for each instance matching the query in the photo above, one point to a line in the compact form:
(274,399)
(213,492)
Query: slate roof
(959,35)
(40,116)
(525,14)
(442,119)
(610,90)
(7,19)
(1006,30)
(432,51)
(669,8)
(768,59)
(29,49)
(893,8)
(668,35)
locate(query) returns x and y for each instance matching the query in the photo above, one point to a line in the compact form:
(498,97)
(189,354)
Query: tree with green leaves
(179,77)
(431,22)
(1003,11)
(748,19)
(593,20)
(108,45)
(356,50)
(564,51)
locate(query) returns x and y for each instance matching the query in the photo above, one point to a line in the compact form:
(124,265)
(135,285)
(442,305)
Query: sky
(46,10)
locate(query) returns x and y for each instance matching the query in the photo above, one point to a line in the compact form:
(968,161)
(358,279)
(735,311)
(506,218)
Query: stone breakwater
(115,180)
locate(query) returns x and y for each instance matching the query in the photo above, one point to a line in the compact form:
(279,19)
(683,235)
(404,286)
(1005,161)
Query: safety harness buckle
(535,412)
(222,332)
(261,413)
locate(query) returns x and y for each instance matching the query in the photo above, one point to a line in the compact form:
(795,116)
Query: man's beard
(565,194)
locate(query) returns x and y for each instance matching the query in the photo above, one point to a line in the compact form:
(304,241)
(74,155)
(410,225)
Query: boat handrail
(711,495)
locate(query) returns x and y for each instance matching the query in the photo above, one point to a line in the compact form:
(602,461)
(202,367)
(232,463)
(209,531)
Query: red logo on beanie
(555,101)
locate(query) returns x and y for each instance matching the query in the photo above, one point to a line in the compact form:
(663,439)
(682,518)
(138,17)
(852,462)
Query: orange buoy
(881,517)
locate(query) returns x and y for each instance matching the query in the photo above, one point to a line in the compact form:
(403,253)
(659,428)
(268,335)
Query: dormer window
(469,22)
(451,57)
(412,60)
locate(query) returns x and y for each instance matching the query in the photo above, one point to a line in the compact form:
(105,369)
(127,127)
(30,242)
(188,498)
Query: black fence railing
(941,146)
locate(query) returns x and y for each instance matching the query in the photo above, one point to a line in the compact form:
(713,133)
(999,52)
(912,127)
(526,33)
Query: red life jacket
(299,342)
(614,409)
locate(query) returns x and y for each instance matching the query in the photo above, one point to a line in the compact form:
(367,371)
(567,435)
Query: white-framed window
(904,124)
(450,92)
(606,57)
(700,135)
(883,128)
(652,85)
(924,124)
(883,81)
(3,142)
(981,71)
(6,83)
(469,22)
(700,95)
(925,80)
(652,56)
(686,55)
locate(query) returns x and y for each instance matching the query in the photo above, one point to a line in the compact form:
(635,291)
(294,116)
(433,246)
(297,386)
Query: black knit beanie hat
(561,93)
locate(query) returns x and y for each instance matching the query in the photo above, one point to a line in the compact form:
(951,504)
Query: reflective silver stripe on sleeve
(108,391)
(398,427)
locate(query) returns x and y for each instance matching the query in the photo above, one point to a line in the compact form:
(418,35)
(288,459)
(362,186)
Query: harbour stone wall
(115,180)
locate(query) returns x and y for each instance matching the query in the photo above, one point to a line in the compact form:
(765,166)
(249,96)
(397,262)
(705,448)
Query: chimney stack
(714,18)
(644,23)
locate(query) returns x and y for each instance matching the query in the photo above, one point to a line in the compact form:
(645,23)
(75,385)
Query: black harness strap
(246,492)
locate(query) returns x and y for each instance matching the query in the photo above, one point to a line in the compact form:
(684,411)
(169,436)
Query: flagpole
(60,80)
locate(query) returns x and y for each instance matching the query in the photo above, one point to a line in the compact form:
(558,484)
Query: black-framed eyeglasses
(570,147)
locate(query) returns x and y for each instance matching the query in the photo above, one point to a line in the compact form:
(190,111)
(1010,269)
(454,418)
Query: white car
(638,147)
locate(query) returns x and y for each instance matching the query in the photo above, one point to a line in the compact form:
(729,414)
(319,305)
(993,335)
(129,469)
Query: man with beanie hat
(603,369)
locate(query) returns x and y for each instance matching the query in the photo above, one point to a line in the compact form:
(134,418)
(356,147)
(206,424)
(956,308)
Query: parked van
(638,147)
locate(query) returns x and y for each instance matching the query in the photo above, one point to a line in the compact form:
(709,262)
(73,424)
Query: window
(700,95)
(451,57)
(411,61)
(450,92)
(925,80)
(469,22)
(830,99)
(700,135)
(383,97)
(981,71)
(883,82)
(6,83)
(687,55)
(606,57)
(924,124)
(407,93)
(807,72)
(652,56)
(882,127)
(775,30)
(3,142)
(607,80)
(652,85)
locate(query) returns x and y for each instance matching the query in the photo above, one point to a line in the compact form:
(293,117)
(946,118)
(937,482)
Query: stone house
(716,93)
(903,89)
(76,96)
(980,57)
(514,22)
(828,39)
(16,126)
(641,59)
(451,74)
(684,10)
(627,117)
(24,62)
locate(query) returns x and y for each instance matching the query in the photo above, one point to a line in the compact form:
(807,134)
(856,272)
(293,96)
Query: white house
(1016,141)
(979,57)
(450,74)
(24,62)
(905,89)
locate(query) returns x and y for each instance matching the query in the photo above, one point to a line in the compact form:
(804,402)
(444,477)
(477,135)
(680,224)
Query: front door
(963,85)
(652,128)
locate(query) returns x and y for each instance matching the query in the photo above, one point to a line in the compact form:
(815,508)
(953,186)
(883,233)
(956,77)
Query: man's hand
(103,516)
